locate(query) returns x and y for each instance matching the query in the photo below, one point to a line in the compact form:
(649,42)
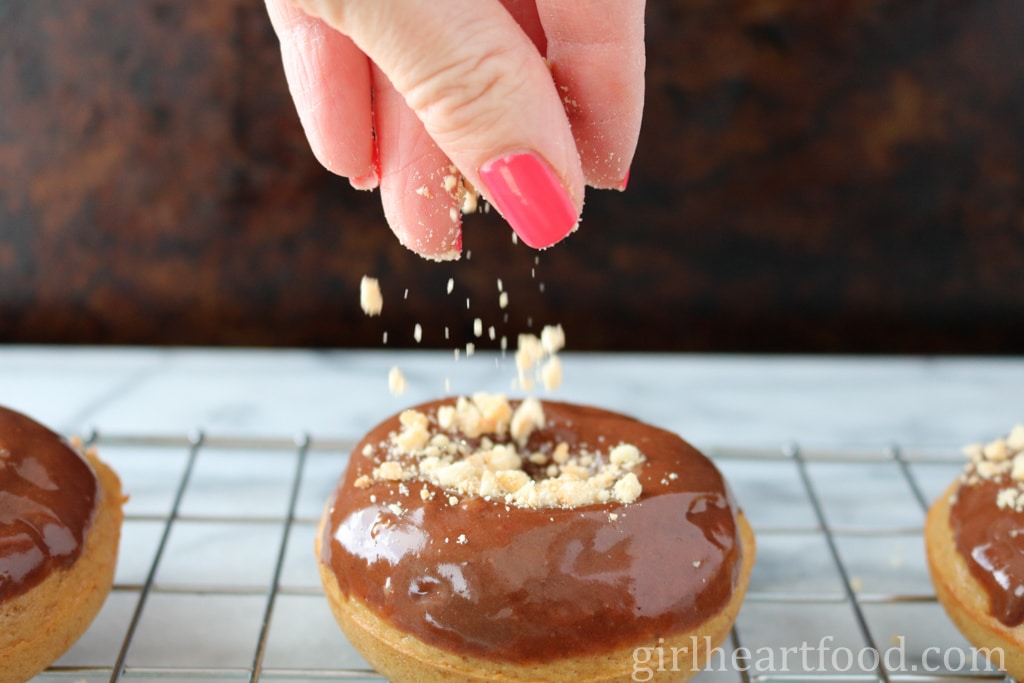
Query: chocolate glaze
(991,541)
(48,497)
(540,584)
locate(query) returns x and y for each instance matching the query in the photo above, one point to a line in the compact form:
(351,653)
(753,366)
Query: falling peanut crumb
(536,358)
(551,373)
(370,298)
(396,381)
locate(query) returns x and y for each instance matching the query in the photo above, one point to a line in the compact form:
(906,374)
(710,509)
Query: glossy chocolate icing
(991,541)
(540,584)
(48,497)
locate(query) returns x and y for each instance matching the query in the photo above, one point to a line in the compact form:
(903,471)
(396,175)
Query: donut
(60,521)
(974,538)
(481,538)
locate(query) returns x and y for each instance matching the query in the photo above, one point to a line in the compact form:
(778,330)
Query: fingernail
(370,181)
(529,195)
(366,182)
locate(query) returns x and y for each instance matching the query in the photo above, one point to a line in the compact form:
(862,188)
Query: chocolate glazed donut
(974,537)
(60,519)
(484,587)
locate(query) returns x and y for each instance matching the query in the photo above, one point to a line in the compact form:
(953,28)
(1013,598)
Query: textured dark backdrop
(837,176)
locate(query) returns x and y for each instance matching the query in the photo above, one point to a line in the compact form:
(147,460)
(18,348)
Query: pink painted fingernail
(529,195)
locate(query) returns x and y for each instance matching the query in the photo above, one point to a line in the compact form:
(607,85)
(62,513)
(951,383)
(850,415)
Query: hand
(530,100)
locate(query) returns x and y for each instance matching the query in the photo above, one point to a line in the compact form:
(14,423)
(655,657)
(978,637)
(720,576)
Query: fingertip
(431,236)
(598,61)
(370,181)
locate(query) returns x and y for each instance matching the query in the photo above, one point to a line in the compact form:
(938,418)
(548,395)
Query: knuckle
(468,91)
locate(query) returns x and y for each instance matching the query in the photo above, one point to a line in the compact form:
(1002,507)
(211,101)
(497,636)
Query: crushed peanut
(396,381)
(370,298)
(536,358)
(478,447)
(1000,460)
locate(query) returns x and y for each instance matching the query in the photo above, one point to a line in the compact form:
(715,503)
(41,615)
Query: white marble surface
(196,576)
(710,399)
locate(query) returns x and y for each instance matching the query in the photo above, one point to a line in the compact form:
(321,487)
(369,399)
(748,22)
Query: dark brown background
(837,176)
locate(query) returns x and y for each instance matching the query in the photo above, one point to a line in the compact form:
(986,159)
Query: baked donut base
(403,658)
(963,597)
(40,625)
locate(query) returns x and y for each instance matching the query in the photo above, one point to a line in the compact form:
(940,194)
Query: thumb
(486,97)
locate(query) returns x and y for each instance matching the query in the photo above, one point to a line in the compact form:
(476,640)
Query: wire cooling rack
(217,581)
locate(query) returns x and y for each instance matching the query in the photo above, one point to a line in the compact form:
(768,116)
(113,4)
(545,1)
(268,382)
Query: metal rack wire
(216,579)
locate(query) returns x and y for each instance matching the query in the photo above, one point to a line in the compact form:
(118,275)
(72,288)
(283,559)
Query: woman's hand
(530,100)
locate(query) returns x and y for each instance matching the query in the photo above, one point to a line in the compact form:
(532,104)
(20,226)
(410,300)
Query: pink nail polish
(529,195)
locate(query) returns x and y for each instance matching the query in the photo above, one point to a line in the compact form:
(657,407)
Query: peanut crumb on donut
(389,471)
(1002,461)
(479,447)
